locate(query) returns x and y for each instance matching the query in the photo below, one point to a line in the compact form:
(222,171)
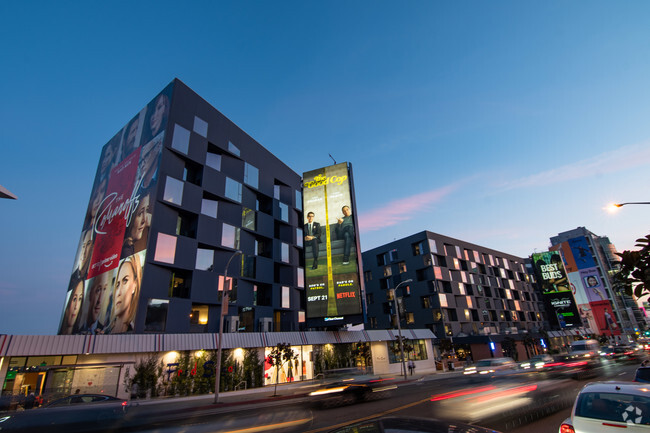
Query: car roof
(618,387)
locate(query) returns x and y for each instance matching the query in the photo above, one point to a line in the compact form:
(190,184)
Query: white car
(610,407)
(491,365)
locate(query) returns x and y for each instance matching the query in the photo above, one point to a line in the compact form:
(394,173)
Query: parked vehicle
(608,407)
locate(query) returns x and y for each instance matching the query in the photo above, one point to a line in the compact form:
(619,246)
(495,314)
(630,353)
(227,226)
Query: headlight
(4,418)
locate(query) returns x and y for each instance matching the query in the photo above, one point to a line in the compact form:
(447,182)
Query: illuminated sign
(331,245)
(104,288)
(550,272)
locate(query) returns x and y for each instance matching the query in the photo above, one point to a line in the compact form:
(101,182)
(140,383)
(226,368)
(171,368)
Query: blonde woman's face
(124,290)
(140,219)
(75,304)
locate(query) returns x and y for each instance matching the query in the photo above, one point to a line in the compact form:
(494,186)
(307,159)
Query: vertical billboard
(104,288)
(331,247)
(556,290)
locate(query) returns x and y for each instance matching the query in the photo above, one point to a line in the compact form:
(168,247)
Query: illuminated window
(181,139)
(477,257)
(233,190)
(286,300)
(410,318)
(209,207)
(248,220)
(467,314)
(470,302)
(213,160)
(458,252)
(443,299)
(234,149)
(461,288)
(456,263)
(463,276)
(200,127)
(437,272)
(301,316)
(387,271)
(165,248)
(505,264)
(173,191)
(251,175)
(402,267)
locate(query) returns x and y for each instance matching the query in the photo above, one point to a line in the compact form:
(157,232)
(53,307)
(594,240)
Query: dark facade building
(459,290)
(178,192)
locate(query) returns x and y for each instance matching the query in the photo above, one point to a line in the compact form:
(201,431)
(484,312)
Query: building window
(298,200)
(248,220)
(233,190)
(426,302)
(276,192)
(156,318)
(249,267)
(301,277)
(173,191)
(165,248)
(284,251)
(301,316)
(284,212)
(286,299)
(388,271)
(437,272)
(370,298)
(299,237)
(181,139)
(234,149)
(410,318)
(179,285)
(402,267)
(251,175)
(186,224)
(200,127)
(230,236)
(204,259)
(209,207)
(367,275)
(393,255)
(193,173)
(432,246)
(382,259)
(213,160)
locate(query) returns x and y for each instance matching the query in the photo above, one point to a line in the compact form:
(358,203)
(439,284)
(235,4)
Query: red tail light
(567,428)
(125,403)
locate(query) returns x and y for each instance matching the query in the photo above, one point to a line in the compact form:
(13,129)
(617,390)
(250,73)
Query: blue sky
(500,123)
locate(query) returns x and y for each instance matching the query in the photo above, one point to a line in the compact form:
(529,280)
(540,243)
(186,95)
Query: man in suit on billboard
(312,237)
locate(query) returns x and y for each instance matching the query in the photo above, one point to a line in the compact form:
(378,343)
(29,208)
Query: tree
(281,354)
(363,354)
(147,372)
(634,275)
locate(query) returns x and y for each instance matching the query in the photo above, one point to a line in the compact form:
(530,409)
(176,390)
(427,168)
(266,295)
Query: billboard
(581,252)
(550,272)
(104,288)
(331,247)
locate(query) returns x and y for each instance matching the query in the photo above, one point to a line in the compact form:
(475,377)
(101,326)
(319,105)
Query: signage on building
(556,289)
(104,288)
(331,247)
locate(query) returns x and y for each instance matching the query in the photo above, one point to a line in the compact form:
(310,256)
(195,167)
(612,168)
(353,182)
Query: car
(609,406)
(642,373)
(536,362)
(78,412)
(491,365)
(348,386)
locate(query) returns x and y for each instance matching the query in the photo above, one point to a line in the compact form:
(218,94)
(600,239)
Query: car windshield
(642,375)
(625,408)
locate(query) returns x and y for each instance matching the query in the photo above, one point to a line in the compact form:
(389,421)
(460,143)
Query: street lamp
(614,206)
(224,310)
(399,326)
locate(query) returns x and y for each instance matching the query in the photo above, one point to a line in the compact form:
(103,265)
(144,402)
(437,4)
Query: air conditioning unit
(231,323)
(266,324)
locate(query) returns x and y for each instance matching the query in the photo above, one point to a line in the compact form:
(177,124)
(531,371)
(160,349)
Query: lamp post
(631,202)
(399,326)
(224,309)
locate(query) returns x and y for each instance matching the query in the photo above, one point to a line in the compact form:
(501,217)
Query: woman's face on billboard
(74,306)
(124,289)
(158,115)
(139,222)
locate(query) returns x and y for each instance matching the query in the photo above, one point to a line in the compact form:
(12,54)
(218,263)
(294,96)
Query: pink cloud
(403,209)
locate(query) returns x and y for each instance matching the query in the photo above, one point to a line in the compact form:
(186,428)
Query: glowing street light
(399,326)
(224,310)
(614,206)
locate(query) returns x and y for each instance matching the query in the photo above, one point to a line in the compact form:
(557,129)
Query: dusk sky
(500,123)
